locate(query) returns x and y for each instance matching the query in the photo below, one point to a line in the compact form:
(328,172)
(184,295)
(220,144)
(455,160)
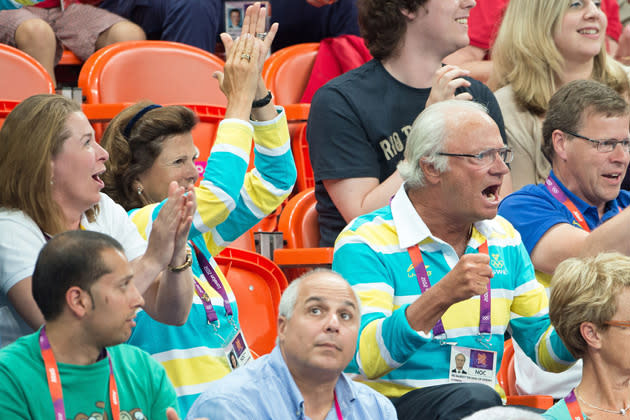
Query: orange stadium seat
(507,379)
(297,117)
(68,58)
(298,221)
(287,71)
(161,71)
(286,74)
(300,227)
(22,75)
(257,284)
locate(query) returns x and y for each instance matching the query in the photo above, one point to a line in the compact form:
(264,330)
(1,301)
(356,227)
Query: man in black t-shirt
(359,121)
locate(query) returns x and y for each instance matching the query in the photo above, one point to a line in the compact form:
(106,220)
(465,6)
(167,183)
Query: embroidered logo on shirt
(411,272)
(498,266)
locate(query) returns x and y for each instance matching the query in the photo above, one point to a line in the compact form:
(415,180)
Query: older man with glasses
(585,137)
(439,275)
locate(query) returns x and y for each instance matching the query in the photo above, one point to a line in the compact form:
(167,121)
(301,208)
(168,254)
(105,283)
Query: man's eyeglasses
(604,146)
(622,324)
(486,157)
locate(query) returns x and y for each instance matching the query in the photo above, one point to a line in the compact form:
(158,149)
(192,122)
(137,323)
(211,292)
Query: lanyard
(573,406)
(213,280)
(337,409)
(485,326)
(559,195)
(54,381)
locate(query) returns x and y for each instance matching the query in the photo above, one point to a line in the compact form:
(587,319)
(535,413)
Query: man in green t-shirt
(74,366)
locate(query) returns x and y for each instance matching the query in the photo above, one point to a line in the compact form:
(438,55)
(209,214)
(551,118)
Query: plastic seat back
(507,380)
(298,221)
(287,71)
(299,146)
(161,71)
(300,228)
(22,76)
(257,284)
(5,109)
(502,374)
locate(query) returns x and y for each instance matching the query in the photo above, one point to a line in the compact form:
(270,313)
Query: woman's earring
(139,189)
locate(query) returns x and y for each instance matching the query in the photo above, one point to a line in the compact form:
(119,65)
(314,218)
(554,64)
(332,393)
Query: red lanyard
(572,405)
(337,409)
(485,324)
(54,381)
(559,195)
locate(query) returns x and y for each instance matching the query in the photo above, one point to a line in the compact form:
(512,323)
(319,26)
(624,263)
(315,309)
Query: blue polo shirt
(532,210)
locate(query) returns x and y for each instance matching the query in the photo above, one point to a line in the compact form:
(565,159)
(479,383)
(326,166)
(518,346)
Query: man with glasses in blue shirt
(439,275)
(585,137)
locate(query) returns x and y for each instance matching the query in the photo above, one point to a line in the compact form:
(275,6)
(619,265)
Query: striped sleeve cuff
(552,355)
(386,343)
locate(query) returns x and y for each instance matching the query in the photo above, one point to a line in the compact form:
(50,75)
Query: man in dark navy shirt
(359,121)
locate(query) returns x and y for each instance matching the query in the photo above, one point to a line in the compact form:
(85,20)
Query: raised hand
(445,81)
(240,70)
(242,80)
(254,24)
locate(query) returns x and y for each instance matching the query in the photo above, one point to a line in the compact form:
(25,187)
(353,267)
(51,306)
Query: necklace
(621,411)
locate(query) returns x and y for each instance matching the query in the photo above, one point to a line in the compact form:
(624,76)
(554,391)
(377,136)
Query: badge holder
(473,366)
(234,13)
(237,351)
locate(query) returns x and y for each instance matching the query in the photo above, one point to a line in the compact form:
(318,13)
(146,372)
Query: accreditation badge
(236,351)
(473,365)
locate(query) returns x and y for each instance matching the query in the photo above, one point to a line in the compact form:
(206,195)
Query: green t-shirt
(144,389)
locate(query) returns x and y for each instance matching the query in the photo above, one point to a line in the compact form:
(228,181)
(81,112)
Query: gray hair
(427,137)
(504,413)
(289,296)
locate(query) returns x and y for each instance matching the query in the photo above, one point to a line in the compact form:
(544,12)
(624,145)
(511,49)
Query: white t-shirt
(21,240)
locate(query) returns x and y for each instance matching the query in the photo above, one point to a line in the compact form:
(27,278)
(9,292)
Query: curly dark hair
(383,25)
